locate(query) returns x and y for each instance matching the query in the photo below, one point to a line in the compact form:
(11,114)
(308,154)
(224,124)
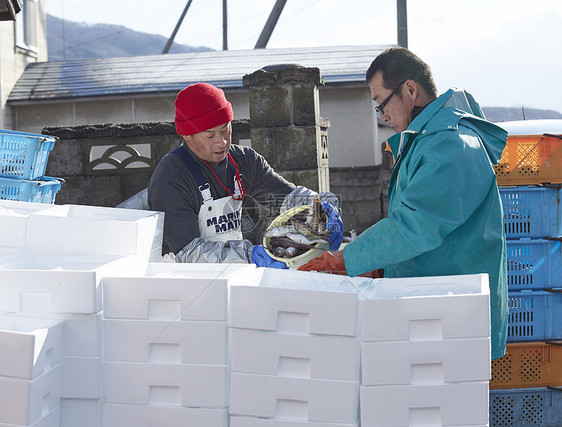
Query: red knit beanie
(200,107)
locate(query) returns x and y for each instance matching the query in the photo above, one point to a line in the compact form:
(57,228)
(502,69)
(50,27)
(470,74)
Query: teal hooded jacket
(445,215)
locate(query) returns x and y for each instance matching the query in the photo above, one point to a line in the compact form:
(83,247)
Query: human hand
(334,224)
(330,262)
(262,259)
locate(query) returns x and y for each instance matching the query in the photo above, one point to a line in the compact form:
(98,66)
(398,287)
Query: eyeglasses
(380,107)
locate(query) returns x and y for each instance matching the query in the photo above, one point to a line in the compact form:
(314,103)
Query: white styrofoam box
(269,422)
(460,404)
(310,280)
(13,221)
(298,302)
(29,346)
(8,255)
(179,342)
(426,308)
(39,285)
(82,377)
(237,274)
(301,356)
(159,416)
(81,412)
(168,385)
(26,401)
(293,398)
(94,230)
(425,362)
(165,298)
(51,419)
(82,335)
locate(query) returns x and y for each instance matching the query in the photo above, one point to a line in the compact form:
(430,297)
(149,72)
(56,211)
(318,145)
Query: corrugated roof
(172,72)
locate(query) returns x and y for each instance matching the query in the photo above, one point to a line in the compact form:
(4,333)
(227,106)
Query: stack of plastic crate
(526,382)
(23,159)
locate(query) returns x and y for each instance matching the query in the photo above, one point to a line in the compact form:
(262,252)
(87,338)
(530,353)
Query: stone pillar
(285,123)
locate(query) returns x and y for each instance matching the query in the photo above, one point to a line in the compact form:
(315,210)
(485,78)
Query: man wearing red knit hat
(202,184)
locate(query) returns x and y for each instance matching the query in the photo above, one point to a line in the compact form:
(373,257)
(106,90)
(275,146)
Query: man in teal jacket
(445,215)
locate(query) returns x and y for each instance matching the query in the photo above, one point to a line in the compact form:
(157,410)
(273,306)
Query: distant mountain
(504,114)
(75,40)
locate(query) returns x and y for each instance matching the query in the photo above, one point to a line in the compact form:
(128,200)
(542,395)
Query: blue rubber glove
(262,259)
(334,224)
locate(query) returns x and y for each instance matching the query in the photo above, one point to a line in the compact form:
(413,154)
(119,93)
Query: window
(26,25)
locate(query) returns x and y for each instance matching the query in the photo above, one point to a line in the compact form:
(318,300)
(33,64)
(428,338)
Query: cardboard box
(425,362)
(303,356)
(165,298)
(293,398)
(151,416)
(29,346)
(175,341)
(167,385)
(426,309)
(42,285)
(461,404)
(25,402)
(82,377)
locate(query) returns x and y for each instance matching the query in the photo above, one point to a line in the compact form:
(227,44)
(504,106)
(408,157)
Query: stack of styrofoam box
(166,345)
(30,371)
(52,262)
(425,352)
(295,350)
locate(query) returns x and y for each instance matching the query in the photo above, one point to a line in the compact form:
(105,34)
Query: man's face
(211,145)
(398,109)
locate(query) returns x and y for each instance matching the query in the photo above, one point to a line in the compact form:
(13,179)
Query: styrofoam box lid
(313,281)
(34,261)
(97,213)
(430,286)
(27,325)
(237,274)
(240,421)
(17,208)
(532,127)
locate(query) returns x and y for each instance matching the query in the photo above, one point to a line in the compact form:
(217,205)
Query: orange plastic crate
(529,160)
(533,364)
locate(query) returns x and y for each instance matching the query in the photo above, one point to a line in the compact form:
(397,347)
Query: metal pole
(173,36)
(402,21)
(224,26)
(270,24)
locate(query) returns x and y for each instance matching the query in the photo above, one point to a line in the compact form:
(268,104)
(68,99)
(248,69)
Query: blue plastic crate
(535,315)
(534,264)
(526,407)
(24,155)
(41,190)
(531,211)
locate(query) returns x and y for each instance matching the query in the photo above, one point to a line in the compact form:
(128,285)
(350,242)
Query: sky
(507,53)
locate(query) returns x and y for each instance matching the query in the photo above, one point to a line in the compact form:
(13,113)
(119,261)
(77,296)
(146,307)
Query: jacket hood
(452,108)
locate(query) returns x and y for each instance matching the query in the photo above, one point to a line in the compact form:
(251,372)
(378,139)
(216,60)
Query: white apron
(219,220)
